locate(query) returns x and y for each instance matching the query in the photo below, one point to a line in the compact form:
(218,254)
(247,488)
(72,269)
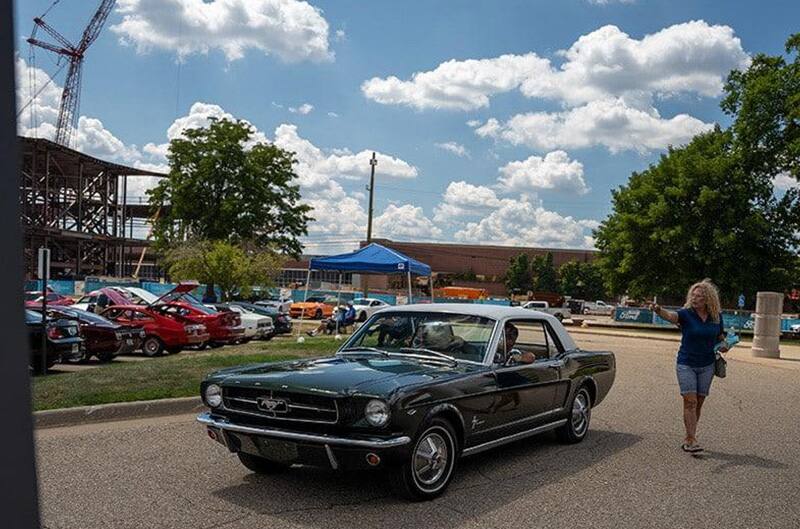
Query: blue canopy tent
(371,259)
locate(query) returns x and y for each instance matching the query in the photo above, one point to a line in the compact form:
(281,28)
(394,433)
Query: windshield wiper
(362,350)
(437,354)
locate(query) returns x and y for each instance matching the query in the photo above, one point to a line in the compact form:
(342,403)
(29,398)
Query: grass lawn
(163,377)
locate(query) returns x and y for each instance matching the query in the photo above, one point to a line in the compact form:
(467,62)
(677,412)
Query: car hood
(337,375)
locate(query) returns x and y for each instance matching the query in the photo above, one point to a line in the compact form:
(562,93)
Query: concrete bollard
(767,331)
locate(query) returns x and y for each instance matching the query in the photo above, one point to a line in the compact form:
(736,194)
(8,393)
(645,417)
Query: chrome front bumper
(207,420)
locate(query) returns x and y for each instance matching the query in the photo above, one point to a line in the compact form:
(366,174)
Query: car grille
(281,405)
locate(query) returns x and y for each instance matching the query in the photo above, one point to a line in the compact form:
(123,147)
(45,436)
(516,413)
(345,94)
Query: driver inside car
(506,354)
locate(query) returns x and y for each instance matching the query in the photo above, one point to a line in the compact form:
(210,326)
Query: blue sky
(534,166)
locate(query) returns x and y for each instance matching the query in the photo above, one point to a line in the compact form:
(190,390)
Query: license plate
(129,341)
(76,348)
(276,450)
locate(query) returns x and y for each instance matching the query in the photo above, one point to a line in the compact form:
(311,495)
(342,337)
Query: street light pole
(372,162)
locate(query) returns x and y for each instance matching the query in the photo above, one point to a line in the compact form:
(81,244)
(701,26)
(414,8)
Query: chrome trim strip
(513,437)
(331,457)
(275,417)
(522,420)
(207,420)
(311,408)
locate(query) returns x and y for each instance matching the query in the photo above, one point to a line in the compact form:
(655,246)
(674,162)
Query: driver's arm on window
(523,358)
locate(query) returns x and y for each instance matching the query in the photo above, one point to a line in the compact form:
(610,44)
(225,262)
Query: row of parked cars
(116,320)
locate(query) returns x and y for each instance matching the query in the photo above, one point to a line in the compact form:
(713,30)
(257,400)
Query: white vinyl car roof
(495,312)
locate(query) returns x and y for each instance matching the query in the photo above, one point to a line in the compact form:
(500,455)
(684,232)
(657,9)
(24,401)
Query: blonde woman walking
(700,321)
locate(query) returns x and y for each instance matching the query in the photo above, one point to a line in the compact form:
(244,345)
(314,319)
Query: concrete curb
(116,412)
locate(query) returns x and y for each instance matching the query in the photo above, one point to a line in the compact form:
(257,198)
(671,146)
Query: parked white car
(560,313)
(366,307)
(256,326)
(283,304)
(598,307)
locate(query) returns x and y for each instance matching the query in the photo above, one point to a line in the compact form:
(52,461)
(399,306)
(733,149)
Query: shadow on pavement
(482,483)
(738,460)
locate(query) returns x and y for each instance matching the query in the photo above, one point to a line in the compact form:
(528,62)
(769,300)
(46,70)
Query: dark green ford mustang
(414,389)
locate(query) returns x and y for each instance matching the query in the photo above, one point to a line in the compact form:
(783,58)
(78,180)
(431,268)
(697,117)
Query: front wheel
(362,317)
(259,465)
(429,468)
(318,314)
(578,421)
(560,317)
(152,346)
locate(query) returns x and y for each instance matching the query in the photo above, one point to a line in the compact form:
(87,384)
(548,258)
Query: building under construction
(77,206)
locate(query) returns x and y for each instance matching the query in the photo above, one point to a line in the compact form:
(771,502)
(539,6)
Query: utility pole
(372,162)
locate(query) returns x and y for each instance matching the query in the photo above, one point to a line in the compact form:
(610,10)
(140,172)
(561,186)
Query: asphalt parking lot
(629,472)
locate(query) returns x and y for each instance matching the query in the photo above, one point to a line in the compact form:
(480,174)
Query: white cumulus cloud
(405,222)
(610,123)
(457,85)
(554,171)
(525,223)
(454,148)
(289,29)
(464,200)
(693,57)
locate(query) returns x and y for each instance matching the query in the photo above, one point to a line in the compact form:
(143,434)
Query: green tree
(518,275)
(544,274)
(695,214)
(581,280)
(224,187)
(235,269)
(764,101)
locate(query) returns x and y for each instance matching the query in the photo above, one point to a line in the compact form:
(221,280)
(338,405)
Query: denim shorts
(695,379)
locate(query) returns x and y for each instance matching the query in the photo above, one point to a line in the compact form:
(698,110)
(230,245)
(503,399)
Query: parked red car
(224,327)
(163,331)
(102,337)
(33,299)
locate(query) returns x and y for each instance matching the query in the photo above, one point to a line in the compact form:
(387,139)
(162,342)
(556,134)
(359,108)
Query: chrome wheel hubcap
(580,413)
(430,458)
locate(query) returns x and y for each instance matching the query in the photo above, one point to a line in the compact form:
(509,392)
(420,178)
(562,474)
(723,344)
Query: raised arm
(668,315)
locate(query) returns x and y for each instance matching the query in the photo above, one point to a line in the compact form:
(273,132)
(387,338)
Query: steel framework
(76,205)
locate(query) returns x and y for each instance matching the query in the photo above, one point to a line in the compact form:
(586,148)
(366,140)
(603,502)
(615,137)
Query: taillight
(55,333)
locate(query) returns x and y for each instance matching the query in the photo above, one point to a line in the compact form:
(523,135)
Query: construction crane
(70,97)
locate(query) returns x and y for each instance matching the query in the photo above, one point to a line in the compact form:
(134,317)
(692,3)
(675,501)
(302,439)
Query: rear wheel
(260,465)
(559,316)
(578,421)
(152,346)
(429,468)
(318,314)
(362,316)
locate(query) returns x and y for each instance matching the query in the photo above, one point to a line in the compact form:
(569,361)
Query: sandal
(691,448)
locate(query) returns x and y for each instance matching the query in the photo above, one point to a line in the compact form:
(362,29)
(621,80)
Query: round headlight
(377,412)
(213,395)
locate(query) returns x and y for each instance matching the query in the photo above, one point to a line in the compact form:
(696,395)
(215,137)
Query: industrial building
(488,264)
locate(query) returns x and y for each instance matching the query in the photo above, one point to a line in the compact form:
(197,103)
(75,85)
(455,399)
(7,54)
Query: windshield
(360,302)
(461,336)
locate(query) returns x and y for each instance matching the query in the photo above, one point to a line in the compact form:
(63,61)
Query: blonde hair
(713,305)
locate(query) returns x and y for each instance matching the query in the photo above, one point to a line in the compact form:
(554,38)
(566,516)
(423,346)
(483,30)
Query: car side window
(553,343)
(532,338)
